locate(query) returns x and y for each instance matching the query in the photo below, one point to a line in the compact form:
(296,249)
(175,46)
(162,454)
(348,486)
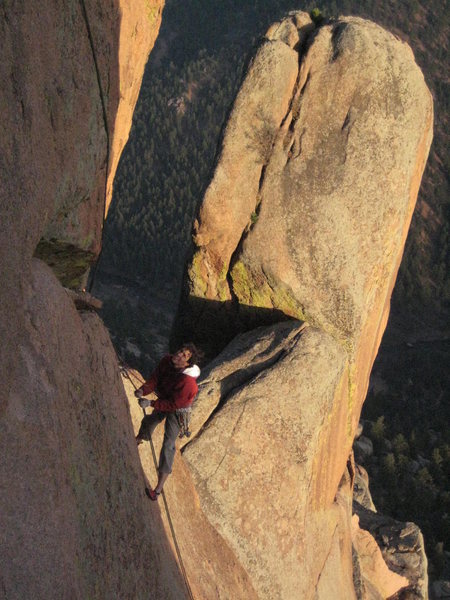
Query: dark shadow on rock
(212,324)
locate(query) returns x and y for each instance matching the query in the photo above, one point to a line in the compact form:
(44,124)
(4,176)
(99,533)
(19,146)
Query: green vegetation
(408,421)
(69,263)
(316,16)
(253,217)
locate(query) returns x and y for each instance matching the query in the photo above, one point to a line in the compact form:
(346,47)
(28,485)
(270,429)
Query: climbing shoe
(152,494)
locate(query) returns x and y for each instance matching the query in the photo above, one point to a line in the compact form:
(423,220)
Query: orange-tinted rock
(74,519)
(139,27)
(378,580)
(306,214)
(402,548)
(255,464)
(70,77)
(212,568)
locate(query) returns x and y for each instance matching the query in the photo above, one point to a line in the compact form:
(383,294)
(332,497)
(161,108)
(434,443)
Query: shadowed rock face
(307,214)
(402,548)
(74,519)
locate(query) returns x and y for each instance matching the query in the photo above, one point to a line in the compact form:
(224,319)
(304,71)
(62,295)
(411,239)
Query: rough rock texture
(254,465)
(306,215)
(265,476)
(316,180)
(377,581)
(73,517)
(212,568)
(70,76)
(74,520)
(237,365)
(403,550)
(361,492)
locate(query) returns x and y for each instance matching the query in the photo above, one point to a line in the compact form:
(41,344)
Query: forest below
(190,82)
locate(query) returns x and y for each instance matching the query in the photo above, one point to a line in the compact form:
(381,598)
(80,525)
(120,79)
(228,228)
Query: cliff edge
(74,519)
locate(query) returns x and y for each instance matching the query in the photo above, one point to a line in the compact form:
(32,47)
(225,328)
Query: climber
(174,383)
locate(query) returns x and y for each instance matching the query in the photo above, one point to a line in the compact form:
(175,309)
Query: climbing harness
(125,372)
(184,418)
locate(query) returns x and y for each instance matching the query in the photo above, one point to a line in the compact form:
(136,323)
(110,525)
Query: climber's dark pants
(171,431)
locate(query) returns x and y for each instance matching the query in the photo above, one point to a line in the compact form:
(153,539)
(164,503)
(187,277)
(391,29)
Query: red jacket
(175,389)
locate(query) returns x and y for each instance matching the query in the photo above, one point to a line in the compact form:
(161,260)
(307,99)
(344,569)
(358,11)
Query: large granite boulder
(211,566)
(306,217)
(316,180)
(264,465)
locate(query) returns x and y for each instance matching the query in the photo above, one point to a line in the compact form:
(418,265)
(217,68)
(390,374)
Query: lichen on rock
(333,166)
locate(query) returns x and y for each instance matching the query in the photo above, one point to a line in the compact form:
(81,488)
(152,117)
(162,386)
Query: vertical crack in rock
(235,426)
(292,115)
(326,558)
(99,83)
(336,34)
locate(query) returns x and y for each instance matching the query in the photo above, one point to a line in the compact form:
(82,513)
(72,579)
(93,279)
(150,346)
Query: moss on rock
(262,291)
(69,263)
(199,286)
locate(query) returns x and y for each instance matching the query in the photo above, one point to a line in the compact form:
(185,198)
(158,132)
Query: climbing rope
(94,271)
(105,123)
(125,372)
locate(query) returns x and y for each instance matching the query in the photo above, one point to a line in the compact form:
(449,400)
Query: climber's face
(180,359)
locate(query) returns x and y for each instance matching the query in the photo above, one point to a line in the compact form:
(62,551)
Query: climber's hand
(138,393)
(143,403)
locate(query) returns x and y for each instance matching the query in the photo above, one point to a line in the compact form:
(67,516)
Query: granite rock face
(306,217)
(74,519)
(212,568)
(70,77)
(264,455)
(274,428)
(316,179)
(256,462)
(361,491)
(402,548)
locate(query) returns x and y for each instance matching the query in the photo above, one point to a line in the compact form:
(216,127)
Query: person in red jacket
(174,382)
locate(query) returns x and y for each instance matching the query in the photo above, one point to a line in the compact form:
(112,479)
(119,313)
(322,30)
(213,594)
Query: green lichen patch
(196,270)
(262,291)
(152,12)
(69,263)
